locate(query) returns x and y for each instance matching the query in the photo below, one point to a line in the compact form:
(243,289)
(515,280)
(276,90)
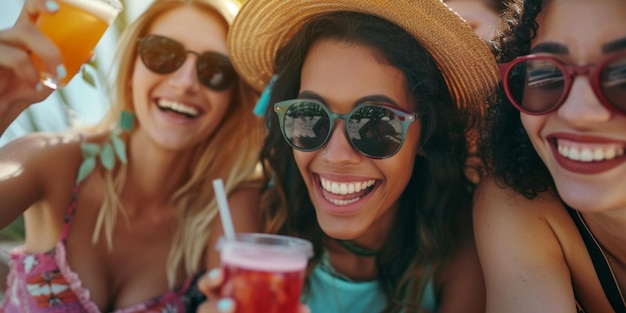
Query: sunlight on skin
(9,170)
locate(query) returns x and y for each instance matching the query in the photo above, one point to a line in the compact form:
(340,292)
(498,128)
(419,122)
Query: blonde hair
(230,153)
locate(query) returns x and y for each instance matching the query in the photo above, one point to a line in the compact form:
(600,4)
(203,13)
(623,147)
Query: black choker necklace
(357,249)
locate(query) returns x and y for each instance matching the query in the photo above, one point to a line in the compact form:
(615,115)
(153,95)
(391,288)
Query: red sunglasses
(539,84)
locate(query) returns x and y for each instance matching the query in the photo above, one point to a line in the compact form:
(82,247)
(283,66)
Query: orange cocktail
(75,29)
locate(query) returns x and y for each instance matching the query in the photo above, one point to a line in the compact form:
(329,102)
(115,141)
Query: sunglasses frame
(406,118)
(570,72)
(141,48)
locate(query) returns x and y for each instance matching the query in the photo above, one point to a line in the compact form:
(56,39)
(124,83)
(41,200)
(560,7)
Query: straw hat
(263,26)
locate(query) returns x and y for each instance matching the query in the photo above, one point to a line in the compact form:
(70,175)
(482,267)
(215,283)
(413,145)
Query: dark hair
(438,192)
(505,145)
(497,5)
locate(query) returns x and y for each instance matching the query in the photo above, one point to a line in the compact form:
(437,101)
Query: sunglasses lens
(306,125)
(161,55)
(536,85)
(215,71)
(613,83)
(376,131)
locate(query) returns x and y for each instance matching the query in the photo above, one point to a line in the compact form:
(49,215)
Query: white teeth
(345,188)
(343,202)
(338,188)
(586,155)
(610,154)
(590,154)
(177,107)
(598,155)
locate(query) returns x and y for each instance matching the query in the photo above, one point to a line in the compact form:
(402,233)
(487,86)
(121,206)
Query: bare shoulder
(491,196)
(32,164)
(33,145)
(520,243)
(498,208)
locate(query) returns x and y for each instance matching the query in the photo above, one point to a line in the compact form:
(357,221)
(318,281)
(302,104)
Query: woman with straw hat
(368,116)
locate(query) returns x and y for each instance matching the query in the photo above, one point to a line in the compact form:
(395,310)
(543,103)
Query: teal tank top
(329,293)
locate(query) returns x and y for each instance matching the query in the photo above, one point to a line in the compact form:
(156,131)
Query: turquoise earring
(264,99)
(107,151)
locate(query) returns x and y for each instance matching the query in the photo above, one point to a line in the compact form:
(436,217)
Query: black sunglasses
(375,130)
(539,84)
(163,55)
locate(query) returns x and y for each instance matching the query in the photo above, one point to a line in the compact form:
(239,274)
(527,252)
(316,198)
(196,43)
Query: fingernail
(39,87)
(213,274)
(225,305)
(61,71)
(52,6)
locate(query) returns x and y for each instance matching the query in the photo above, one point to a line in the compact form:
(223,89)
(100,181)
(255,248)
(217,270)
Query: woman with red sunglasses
(121,217)
(551,222)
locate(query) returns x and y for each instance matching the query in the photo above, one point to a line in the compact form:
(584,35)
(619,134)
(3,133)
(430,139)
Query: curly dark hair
(436,200)
(505,145)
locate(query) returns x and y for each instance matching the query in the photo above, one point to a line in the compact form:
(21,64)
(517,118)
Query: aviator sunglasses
(375,130)
(539,84)
(163,55)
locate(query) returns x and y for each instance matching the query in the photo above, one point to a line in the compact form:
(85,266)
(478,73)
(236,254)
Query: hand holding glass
(75,29)
(263,272)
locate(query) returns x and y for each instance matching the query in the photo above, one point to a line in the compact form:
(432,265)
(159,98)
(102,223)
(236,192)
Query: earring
(264,99)
(127,119)
(106,151)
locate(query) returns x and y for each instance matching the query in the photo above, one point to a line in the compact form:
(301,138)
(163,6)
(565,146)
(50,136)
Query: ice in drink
(266,273)
(75,28)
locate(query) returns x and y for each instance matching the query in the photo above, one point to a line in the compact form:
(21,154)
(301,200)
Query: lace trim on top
(22,263)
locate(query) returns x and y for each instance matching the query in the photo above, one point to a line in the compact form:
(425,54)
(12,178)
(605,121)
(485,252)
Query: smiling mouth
(344,193)
(166,105)
(589,152)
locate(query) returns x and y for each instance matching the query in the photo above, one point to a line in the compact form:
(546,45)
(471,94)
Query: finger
(304,309)
(19,63)
(32,9)
(225,305)
(30,40)
(210,284)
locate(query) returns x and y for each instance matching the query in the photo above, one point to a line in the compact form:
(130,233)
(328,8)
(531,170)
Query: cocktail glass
(75,28)
(264,273)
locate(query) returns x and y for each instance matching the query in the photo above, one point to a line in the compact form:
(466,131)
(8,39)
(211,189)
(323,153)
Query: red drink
(265,276)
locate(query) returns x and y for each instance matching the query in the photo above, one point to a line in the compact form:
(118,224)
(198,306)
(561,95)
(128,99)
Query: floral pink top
(44,282)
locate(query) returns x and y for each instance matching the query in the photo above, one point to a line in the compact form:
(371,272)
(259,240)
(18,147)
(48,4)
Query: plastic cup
(263,272)
(75,28)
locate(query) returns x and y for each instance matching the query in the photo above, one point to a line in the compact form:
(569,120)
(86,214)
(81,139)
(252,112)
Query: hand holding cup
(75,29)
(19,79)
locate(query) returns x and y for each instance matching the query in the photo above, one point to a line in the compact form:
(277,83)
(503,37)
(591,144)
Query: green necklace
(357,249)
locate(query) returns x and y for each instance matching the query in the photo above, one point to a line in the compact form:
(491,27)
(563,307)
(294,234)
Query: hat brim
(263,26)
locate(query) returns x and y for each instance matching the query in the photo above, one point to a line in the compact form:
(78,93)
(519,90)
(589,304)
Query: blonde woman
(122,217)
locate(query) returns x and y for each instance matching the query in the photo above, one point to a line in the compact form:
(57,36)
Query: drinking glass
(264,272)
(75,28)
